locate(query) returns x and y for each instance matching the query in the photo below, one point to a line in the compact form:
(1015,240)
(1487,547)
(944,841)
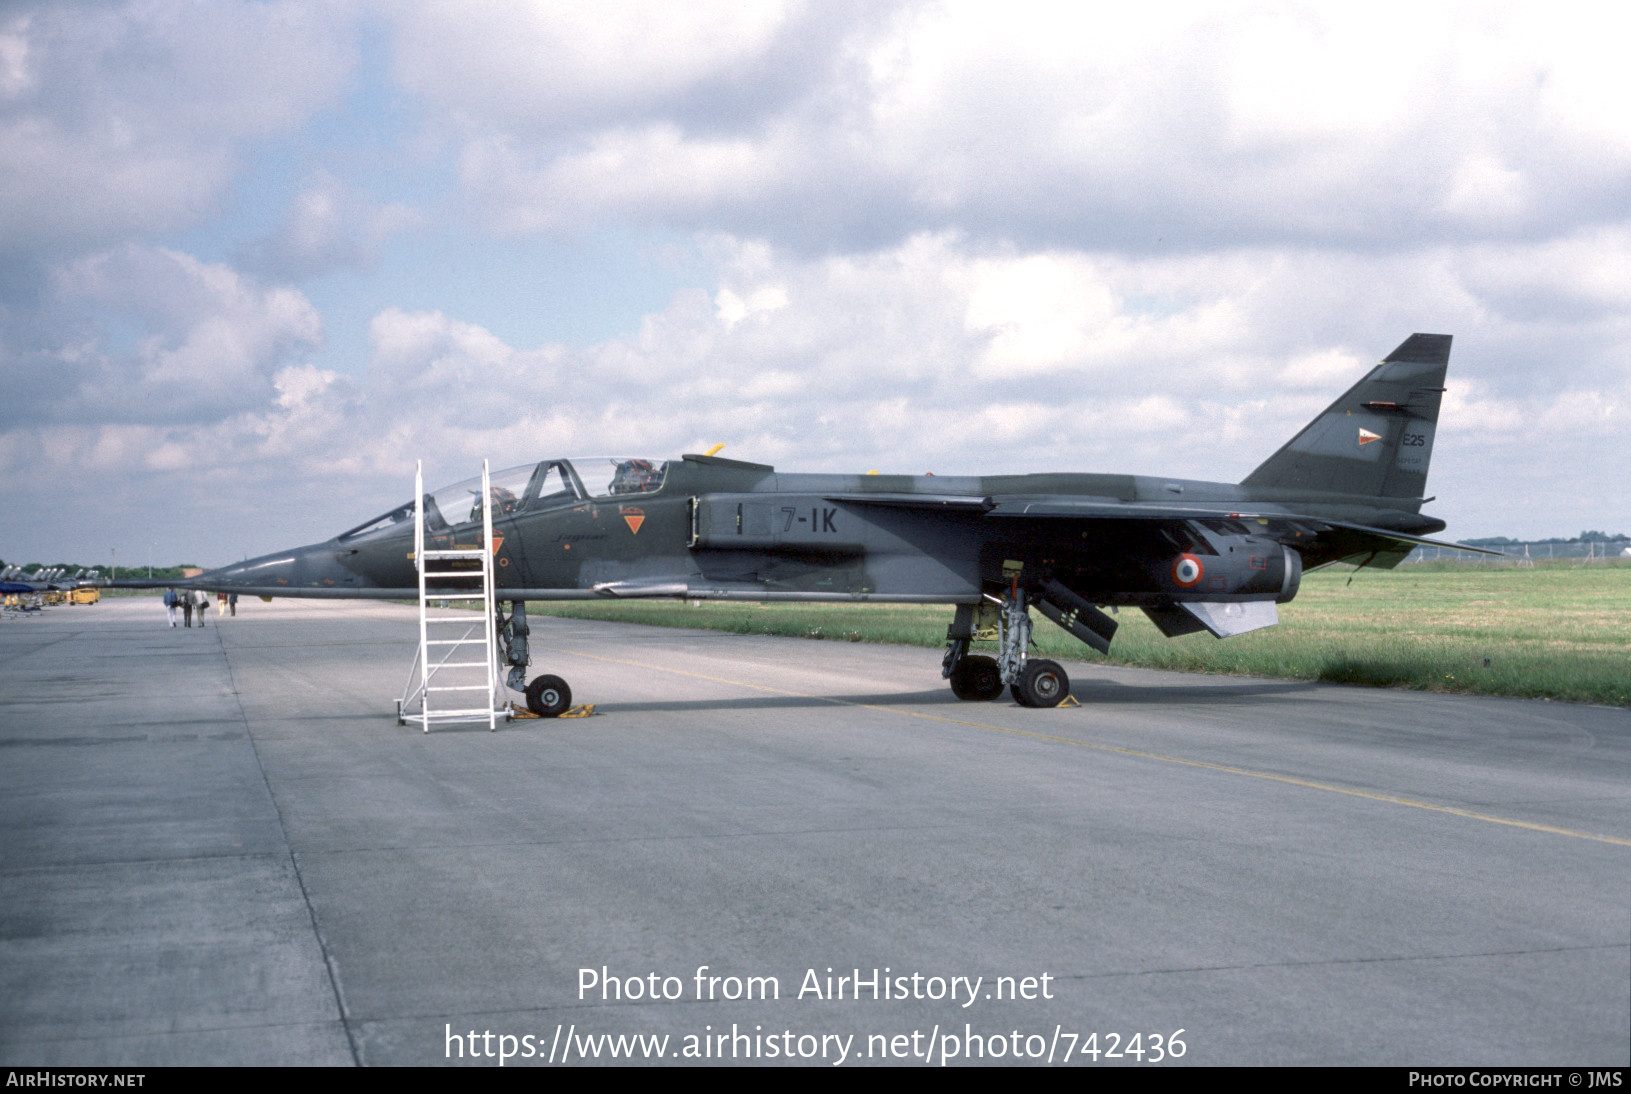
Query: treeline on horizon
(1583,537)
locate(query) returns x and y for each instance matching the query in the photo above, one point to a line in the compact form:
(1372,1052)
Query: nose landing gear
(547,696)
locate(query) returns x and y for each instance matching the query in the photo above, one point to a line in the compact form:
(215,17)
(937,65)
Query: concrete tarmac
(218,847)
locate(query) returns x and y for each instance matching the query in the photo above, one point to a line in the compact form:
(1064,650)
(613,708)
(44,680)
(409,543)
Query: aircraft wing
(1325,538)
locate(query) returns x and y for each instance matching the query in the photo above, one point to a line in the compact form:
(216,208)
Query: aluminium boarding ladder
(440,628)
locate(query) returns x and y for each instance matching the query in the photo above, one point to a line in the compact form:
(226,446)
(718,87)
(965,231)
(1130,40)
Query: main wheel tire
(549,697)
(976,679)
(1042,684)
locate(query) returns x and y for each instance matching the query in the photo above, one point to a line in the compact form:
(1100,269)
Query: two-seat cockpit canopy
(528,488)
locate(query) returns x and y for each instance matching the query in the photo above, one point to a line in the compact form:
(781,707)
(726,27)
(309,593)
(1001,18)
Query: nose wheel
(549,697)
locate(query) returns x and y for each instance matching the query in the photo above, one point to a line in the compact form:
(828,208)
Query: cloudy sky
(257,258)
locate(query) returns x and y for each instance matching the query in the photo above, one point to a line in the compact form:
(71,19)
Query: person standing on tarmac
(170,602)
(186,606)
(202,600)
(232,604)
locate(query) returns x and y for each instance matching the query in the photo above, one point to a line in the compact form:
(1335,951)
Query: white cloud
(889,358)
(1578,276)
(427,349)
(206,340)
(1040,313)
(1321,370)
(1484,191)
(16,75)
(300,387)
(1188,124)
(330,226)
(642,174)
(760,303)
(123,117)
(529,65)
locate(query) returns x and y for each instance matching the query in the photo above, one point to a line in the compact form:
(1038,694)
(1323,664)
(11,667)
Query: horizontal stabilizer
(1403,538)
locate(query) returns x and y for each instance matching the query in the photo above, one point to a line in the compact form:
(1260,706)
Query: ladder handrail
(489,639)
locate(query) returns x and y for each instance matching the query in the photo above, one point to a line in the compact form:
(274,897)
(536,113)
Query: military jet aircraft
(14,579)
(37,581)
(1192,555)
(30,592)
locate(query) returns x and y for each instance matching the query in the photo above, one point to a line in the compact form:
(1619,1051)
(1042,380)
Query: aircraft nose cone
(312,567)
(278,569)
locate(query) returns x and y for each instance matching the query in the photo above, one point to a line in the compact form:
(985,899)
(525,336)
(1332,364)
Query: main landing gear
(547,696)
(978,678)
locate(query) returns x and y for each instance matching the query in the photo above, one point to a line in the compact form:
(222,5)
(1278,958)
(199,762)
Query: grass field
(1556,631)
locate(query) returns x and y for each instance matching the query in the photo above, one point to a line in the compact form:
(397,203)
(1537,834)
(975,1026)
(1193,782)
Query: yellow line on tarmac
(1309,784)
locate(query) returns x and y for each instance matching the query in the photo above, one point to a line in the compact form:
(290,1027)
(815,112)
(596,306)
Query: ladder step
(461,586)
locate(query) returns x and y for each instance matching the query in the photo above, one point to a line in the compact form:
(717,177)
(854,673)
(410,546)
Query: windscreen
(393,519)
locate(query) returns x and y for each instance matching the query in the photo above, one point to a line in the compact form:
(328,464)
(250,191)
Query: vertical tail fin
(1377,439)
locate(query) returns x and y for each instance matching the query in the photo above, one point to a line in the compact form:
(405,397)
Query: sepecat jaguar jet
(1194,556)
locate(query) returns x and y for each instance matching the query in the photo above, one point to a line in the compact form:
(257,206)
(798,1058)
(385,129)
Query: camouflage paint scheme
(1219,556)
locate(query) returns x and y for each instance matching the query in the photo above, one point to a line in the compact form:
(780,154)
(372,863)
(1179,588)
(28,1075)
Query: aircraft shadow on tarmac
(1089,693)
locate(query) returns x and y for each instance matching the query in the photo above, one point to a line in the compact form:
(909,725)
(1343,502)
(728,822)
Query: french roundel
(1187,571)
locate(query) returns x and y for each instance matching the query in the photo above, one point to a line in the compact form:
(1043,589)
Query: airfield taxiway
(219,847)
